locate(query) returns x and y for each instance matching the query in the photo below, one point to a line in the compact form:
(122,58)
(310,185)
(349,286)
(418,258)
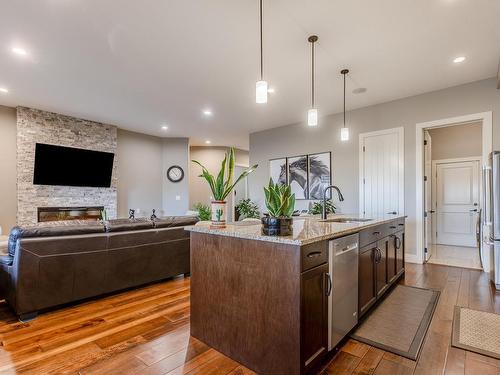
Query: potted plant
(204,212)
(246,209)
(222,185)
(280,203)
(317,207)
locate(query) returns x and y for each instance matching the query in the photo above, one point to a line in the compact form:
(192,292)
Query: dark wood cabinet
(314,324)
(400,252)
(366,278)
(381,267)
(391,258)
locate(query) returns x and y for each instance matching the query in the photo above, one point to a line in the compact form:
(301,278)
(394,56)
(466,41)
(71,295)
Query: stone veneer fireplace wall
(35,126)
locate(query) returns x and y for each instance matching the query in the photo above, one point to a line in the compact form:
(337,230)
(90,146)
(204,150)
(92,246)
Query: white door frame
(487,134)
(434,186)
(401,138)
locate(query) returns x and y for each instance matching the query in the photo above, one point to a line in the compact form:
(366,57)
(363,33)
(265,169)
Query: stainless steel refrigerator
(491,203)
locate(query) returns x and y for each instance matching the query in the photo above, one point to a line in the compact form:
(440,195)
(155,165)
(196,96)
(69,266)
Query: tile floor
(458,256)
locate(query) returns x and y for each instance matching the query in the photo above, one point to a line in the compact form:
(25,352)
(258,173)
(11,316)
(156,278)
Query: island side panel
(245,300)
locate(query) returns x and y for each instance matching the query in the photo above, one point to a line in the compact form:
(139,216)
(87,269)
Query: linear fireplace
(69,213)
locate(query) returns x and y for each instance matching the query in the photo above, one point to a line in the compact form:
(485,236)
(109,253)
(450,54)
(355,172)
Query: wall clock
(175,173)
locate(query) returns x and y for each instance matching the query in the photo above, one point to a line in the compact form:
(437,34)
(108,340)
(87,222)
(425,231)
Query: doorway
(451,160)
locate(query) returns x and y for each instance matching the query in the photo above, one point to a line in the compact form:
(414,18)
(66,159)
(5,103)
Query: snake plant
(280,201)
(220,186)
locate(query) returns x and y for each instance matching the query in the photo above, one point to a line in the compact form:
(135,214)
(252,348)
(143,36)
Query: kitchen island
(263,300)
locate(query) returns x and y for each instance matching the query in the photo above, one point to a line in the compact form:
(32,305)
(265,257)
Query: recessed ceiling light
(4,90)
(271,90)
(19,51)
(207,112)
(459,59)
(164,127)
(359,90)
(208,142)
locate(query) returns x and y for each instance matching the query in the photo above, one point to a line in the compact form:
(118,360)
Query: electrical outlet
(177,197)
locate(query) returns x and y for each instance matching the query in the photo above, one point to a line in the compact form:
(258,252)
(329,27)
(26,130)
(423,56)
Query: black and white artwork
(278,171)
(297,176)
(320,174)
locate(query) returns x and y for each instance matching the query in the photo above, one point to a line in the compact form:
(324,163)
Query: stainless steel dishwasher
(343,299)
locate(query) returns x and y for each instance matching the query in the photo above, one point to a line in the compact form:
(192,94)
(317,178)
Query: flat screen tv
(67,166)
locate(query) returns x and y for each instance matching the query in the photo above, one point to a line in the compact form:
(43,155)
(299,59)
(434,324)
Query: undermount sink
(345,220)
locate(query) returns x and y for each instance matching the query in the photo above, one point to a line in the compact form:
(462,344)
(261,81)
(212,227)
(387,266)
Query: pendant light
(261,85)
(344,132)
(312,114)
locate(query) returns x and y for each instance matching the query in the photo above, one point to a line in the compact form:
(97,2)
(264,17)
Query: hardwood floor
(146,331)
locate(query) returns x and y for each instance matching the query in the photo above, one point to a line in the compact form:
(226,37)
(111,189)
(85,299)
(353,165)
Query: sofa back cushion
(175,221)
(53,229)
(123,225)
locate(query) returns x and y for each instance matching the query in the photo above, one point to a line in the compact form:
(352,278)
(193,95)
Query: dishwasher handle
(346,249)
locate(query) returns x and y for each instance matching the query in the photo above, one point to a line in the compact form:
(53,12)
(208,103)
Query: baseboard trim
(412,258)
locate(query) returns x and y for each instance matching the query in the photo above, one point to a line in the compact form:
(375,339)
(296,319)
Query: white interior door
(382,173)
(457,202)
(428,211)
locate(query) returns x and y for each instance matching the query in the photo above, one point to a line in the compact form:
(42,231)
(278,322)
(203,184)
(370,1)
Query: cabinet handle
(329,285)
(314,254)
(398,243)
(378,255)
(392,227)
(401,224)
(376,233)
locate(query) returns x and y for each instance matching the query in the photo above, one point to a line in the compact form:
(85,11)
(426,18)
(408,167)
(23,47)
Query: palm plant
(220,186)
(280,201)
(204,211)
(317,207)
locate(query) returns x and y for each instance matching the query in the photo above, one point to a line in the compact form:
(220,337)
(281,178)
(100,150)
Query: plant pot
(277,226)
(219,214)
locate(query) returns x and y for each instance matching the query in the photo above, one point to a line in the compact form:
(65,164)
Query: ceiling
(142,64)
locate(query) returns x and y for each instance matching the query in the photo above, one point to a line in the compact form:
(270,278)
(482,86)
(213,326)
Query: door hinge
(425,250)
(364,148)
(425,142)
(364,181)
(425,214)
(425,178)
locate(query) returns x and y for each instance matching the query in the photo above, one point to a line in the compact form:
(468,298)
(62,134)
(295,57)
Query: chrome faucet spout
(324,214)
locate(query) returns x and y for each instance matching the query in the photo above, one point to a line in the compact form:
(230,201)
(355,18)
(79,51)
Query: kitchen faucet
(341,198)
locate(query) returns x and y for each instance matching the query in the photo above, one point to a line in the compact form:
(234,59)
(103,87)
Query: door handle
(329,286)
(432,211)
(474,210)
(392,213)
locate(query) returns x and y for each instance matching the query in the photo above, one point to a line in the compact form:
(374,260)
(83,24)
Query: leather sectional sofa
(53,265)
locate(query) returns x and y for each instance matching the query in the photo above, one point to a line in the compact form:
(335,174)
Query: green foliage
(280,201)
(222,187)
(248,209)
(104,215)
(317,207)
(204,211)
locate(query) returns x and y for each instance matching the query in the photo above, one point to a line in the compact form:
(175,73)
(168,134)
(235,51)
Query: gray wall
(299,139)
(139,172)
(458,141)
(8,170)
(175,194)
(210,157)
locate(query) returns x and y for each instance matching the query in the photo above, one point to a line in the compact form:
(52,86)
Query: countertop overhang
(306,229)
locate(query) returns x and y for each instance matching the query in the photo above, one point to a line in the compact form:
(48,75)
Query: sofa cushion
(175,221)
(122,225)
(53,229)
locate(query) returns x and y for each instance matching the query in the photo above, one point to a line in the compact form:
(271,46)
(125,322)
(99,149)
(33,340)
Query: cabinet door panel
(391,258)
(314,324)
(400,252)
(366,278)
(381,266)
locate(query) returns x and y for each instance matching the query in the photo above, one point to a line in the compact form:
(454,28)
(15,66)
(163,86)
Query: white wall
(458,141)
(299,139)
(139,172)
(8,170)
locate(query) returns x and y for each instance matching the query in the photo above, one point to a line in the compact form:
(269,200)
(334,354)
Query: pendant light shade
(312,117)
(312,114)
(344,132)
(261,85)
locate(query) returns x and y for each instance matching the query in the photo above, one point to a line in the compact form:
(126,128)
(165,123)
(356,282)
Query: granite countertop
(306,230)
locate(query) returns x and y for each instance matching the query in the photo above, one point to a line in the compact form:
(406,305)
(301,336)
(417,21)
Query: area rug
(476,331)
(399,323)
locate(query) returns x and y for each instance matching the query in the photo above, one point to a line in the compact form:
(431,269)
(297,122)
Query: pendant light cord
(312,74)
(261,46)
(344,99)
